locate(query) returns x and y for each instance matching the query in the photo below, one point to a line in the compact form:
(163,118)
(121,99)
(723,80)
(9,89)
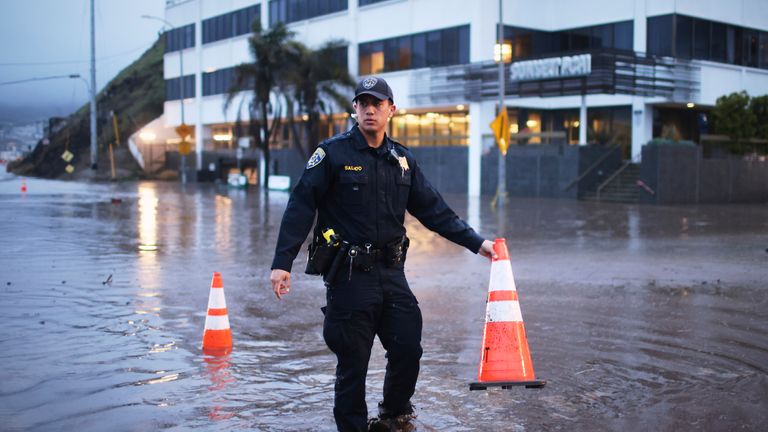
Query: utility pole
(94,150)
(501,189)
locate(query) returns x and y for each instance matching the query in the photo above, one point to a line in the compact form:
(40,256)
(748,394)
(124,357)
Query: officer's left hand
(486,250)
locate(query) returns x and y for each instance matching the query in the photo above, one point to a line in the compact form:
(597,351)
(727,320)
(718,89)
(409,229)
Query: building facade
(605,72)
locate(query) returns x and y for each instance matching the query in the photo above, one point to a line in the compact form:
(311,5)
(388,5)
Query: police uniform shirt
(362,193)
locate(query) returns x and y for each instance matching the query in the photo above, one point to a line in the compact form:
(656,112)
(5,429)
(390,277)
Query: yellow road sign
(184,130)
(67,156)
(70,169)
(185,147)
(500,127)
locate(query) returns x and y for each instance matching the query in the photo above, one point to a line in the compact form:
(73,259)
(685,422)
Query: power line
(39,79)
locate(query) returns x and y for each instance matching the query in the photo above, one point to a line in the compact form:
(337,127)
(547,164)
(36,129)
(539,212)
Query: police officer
(360,184)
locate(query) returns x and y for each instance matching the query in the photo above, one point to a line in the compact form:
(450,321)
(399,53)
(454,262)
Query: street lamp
(184,128)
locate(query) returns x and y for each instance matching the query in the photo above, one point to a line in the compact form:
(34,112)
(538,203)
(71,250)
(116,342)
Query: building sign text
(556,67)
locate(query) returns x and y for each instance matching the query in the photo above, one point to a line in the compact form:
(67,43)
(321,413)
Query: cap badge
(369,83)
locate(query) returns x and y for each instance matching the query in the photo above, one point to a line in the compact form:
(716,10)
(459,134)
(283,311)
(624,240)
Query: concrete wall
(444,167)
(679,175)
(534,171)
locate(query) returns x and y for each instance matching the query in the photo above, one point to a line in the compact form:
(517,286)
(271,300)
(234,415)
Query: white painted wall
(480,114)
(719,79)
(213,8)
(182,14)
(640,26)
(569,14)
(225,53)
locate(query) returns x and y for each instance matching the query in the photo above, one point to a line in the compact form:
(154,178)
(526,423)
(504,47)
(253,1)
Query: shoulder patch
(316,158)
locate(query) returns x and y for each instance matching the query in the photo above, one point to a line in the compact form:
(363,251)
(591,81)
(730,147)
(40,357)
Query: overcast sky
(40,38)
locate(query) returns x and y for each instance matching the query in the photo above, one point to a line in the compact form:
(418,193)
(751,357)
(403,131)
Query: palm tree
(274,53)
(318,83)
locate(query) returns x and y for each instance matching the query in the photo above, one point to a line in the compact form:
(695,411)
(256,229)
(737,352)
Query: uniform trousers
(360,306)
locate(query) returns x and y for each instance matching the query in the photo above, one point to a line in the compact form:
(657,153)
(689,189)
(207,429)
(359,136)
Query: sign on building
(556,67)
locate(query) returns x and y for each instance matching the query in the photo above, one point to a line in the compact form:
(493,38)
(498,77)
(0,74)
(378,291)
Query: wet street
(641,318)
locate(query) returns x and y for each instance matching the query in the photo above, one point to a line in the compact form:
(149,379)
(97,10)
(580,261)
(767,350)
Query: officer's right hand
(281,282)
(486,250)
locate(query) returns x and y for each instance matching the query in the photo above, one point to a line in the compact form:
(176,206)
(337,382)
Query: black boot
(388,421)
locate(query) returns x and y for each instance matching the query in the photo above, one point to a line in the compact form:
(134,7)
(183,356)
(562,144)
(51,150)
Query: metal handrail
(611,177)
(592,167)
(645,187)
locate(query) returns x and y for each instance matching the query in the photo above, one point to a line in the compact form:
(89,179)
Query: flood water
(639,317)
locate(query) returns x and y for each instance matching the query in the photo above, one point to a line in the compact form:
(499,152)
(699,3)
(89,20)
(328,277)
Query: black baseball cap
(375,87)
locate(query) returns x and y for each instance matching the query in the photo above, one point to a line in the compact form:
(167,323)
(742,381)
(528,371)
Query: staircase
(620,187)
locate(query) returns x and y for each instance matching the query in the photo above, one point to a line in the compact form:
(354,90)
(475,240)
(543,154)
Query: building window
(659,41)
(180,38)
(696,38)
(527,126)
(339,57)
(701,42)
(750,47)
(230,24)
(431,129)
(368,2)
(288,11)
(610,126)
(327,127)
(218,82)
(763,49)
(683,37)
(430,49)
(624,35)
(173,88)
(536,43)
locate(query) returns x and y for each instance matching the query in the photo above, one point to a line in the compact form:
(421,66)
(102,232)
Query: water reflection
(147,221)
(217,369)
(223,218)
(148,272)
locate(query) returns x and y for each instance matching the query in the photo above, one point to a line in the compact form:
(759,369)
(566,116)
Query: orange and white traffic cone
(217,338)
(504,357)
(23,185)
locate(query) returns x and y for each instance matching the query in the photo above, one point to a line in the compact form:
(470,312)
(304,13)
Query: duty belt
(366,257)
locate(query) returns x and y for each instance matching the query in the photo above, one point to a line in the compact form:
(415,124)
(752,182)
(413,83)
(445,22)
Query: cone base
(217,351)
(506,384)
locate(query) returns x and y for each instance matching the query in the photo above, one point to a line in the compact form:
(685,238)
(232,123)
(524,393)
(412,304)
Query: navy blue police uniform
(362,193)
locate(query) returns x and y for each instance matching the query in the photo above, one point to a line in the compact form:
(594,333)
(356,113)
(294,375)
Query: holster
(321,255)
